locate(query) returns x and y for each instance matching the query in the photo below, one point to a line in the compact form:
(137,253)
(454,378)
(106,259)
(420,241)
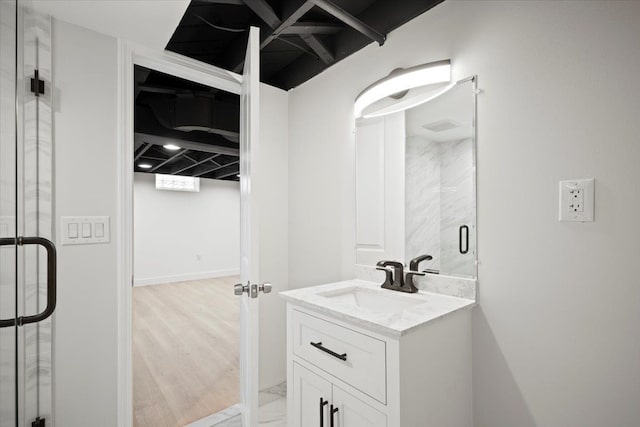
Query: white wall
(556,339)
(85,346)
(179,235)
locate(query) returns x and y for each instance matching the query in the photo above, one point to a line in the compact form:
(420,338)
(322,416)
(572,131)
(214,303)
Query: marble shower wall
(457,206)
(7,212)
(422,200)
(34,193)
(439,198)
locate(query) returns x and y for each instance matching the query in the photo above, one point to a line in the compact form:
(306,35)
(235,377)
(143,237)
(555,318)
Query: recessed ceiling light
(238,175)
(144,166)
(171,147)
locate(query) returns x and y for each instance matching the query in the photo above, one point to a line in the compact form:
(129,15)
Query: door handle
(333,411)
(323,403)
(465,229)
(252,290)
(51,279)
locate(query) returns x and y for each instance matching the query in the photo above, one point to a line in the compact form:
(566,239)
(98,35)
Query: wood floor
(185,351)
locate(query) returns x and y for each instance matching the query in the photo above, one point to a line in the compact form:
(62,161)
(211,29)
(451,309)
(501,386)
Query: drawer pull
(319,346)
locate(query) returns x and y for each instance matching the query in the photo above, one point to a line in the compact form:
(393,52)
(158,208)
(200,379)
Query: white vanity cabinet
(420,378)
(316,400)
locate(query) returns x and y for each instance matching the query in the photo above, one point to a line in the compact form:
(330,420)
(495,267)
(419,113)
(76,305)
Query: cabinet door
(353,412)
(311,398)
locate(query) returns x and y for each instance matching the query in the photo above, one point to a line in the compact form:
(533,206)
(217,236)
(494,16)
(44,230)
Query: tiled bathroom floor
(273,411)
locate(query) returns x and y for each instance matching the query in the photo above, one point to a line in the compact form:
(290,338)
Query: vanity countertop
(345,300)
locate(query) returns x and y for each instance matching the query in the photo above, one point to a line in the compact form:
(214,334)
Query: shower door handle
(463,229)
(51,279)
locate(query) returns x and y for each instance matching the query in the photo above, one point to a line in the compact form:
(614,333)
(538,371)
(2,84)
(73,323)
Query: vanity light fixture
(171,147)
(144,165)
(402,80)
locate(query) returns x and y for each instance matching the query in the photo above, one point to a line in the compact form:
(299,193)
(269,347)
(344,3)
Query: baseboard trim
(150,281)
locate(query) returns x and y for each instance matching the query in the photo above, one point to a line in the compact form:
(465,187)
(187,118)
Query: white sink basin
(382,300)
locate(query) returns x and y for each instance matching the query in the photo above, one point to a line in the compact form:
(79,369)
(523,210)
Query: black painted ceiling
(299,39)
(201,120)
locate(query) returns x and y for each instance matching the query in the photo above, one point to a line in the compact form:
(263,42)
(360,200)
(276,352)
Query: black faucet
(398,283)
(413,264)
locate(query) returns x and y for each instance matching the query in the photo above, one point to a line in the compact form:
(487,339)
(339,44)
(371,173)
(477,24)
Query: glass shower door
(27,255)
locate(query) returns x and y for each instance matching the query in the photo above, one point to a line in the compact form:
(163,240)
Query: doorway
(186,240)
(263,193)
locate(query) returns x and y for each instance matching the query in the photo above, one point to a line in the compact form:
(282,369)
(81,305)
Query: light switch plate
(577,200)
(84,230)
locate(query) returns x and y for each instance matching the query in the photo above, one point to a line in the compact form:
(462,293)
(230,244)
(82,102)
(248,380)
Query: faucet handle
(413,264)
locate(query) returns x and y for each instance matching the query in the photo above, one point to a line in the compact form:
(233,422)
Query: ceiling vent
(441,125)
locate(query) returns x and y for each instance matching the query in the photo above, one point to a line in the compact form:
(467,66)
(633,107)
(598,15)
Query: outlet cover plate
(577,200)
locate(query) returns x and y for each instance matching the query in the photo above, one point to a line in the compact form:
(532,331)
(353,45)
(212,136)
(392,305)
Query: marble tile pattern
(439,198)
(436,283)
(457,207)
(271,413)
(422,200)
(393,324)
(7,209)
(35,210)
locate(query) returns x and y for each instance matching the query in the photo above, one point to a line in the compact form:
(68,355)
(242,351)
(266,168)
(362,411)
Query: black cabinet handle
(323,403)
(51,279)
(319,346)
(465,229)
(333,411)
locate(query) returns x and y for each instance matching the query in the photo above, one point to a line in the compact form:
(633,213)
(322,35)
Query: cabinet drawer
(325,344)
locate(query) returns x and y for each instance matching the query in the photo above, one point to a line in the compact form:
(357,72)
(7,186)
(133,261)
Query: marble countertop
(393,323)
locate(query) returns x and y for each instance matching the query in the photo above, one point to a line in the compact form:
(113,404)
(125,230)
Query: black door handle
(51,279)
(319,346)
(323,403)
(466,239)
(333,411)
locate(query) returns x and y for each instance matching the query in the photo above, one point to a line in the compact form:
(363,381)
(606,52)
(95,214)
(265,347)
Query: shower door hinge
(38,422)
(37,87)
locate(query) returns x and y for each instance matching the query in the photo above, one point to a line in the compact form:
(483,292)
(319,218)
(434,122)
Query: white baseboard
(149,281)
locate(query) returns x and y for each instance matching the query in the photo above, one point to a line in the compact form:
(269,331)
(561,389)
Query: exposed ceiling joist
(230,169)
(319,48)
(169,160)
(294,10)
(209,170)
(264,11)
(143,150)
(190,145)
(350,20)
(232,2)
(291,19)
(300,28)
(198,163)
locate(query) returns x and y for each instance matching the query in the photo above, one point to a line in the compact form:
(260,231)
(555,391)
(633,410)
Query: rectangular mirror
(416,185)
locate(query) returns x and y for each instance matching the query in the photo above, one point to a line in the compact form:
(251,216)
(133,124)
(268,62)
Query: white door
(251,286)
(311,398)
(352,412)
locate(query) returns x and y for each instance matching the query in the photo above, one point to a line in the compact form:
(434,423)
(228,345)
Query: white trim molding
(130,54)
(161,280)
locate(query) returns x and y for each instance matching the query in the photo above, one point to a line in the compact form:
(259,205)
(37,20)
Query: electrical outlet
(577,200)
